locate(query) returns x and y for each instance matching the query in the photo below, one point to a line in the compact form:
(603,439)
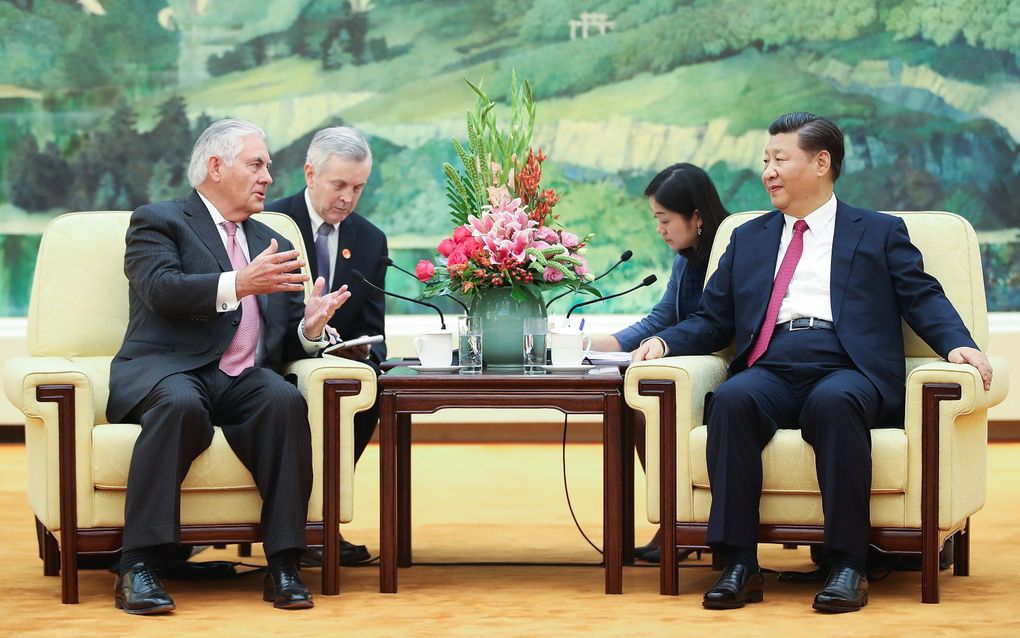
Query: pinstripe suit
(166,377)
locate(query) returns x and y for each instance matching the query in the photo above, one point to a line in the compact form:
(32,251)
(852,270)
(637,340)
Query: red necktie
(779,286)
(240,354)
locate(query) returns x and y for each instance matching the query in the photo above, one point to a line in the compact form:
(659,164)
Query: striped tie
(240,354)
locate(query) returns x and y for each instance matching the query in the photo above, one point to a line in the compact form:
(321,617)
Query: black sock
(132,557)
(742,556)
(843,559)
(285,556)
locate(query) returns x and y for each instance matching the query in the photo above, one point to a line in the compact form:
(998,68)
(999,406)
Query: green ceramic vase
(503,324)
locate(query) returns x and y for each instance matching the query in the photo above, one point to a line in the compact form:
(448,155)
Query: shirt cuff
(226,292)
(665,348)
(311,346)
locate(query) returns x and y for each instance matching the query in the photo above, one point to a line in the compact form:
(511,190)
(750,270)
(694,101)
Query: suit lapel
(846,236)
(198,217)
(347,241)
(764,251)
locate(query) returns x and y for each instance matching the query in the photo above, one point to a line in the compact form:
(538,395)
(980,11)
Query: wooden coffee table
(405,392)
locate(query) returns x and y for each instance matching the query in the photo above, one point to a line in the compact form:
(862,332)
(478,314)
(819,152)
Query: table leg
(627,482)
(387,494)
(612,510)
(403,490)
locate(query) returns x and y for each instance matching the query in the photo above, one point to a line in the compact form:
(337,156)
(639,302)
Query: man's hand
(650,349)
(975,358)
(319,309)
(271,272)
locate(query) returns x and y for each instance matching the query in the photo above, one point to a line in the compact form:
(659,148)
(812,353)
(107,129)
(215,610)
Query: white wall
(401,329)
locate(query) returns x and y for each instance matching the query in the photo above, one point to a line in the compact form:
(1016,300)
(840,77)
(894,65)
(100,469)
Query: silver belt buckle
(810,325)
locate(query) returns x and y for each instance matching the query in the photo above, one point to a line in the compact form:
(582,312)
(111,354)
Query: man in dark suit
(818,348)
(216,306)
(337,167)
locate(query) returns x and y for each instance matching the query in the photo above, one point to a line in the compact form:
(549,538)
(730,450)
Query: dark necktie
(322,253)
(779,286)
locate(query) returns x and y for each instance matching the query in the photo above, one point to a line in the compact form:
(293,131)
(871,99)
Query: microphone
(389,262)
(647,281)
(627,254)
(356,274)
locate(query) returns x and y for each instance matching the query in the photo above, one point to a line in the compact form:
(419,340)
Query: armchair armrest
(57,397)
(336,389)
(693,379)
(973,396)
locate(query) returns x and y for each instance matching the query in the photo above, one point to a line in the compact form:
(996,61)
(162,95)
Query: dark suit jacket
(877,277)
(365,312)
(173,261)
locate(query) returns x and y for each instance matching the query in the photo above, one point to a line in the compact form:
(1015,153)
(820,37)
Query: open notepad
(609,358)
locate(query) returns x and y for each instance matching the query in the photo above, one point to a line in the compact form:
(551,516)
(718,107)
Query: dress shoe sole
(753,597)
(146,611)
(294,604)
(840,608)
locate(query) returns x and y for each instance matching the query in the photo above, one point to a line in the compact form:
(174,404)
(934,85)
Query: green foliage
(991,24)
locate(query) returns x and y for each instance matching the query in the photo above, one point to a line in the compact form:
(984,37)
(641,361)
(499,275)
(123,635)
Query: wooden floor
(505,503)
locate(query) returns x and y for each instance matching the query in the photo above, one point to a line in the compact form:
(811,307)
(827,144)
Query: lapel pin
(346,253)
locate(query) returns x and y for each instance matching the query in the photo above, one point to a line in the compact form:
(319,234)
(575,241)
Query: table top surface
(402,376)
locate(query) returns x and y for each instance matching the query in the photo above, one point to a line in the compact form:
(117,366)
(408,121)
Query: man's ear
(214,168)
(309,175)
(823,162)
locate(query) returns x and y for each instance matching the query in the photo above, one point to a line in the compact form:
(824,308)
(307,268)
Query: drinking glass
(470,344)
(535,329)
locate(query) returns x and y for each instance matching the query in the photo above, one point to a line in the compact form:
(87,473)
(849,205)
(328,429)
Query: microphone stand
(647,281)
(627,254)
(356,274)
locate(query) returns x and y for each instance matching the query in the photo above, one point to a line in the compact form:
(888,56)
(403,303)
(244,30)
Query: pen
(580,328)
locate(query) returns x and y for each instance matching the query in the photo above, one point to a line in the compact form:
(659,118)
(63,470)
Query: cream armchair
(927,479)
(78,461)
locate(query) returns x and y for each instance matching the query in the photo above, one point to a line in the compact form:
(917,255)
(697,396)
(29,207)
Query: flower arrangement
(506,234)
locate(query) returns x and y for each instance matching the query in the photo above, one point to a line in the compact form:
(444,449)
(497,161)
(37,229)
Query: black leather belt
(806,323)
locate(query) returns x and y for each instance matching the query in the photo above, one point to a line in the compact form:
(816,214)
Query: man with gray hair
(337,168)
(216,307)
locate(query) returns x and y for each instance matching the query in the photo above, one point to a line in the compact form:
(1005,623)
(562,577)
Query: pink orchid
(569,239)
(582,268)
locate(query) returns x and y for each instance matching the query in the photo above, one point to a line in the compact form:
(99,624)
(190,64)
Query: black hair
(683,188)
(814,134)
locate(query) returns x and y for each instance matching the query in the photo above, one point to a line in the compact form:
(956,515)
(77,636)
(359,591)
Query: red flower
(424,270)
(461,233)
(446,247)
(456,258)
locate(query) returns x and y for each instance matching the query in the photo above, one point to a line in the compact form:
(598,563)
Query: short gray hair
(223,140)
(343,141)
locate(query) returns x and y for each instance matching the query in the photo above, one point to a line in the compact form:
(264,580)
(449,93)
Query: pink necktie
(779,286)
(240,354)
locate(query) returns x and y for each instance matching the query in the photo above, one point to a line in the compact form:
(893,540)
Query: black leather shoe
(845,590)
(737,586)
(350,554)
(283,587)
(138,591)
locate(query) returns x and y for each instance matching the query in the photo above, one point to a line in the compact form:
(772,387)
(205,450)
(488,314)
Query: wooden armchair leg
(244,550)
(961,551)
(49,551)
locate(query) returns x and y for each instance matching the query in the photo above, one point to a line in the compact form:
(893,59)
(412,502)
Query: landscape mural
(101,100)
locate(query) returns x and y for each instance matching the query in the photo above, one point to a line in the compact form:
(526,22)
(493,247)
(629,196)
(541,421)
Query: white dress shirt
(808,294)
(333,240)
(226,288)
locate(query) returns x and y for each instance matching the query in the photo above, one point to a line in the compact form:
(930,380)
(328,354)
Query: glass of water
(535,329)
(470,345)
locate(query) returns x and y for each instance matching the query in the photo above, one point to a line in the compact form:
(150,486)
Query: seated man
(337,167)
(216,307)
(823,353)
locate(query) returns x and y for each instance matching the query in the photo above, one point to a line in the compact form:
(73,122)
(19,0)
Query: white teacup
(569,346)
(435,349)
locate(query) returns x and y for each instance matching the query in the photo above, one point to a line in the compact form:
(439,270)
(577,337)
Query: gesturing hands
(319,309)
(271,271)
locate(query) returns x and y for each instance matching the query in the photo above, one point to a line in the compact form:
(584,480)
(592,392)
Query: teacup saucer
(436,369)
(581,369)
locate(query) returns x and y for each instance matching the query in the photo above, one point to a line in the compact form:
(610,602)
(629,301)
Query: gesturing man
(216,307)
(812,296)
